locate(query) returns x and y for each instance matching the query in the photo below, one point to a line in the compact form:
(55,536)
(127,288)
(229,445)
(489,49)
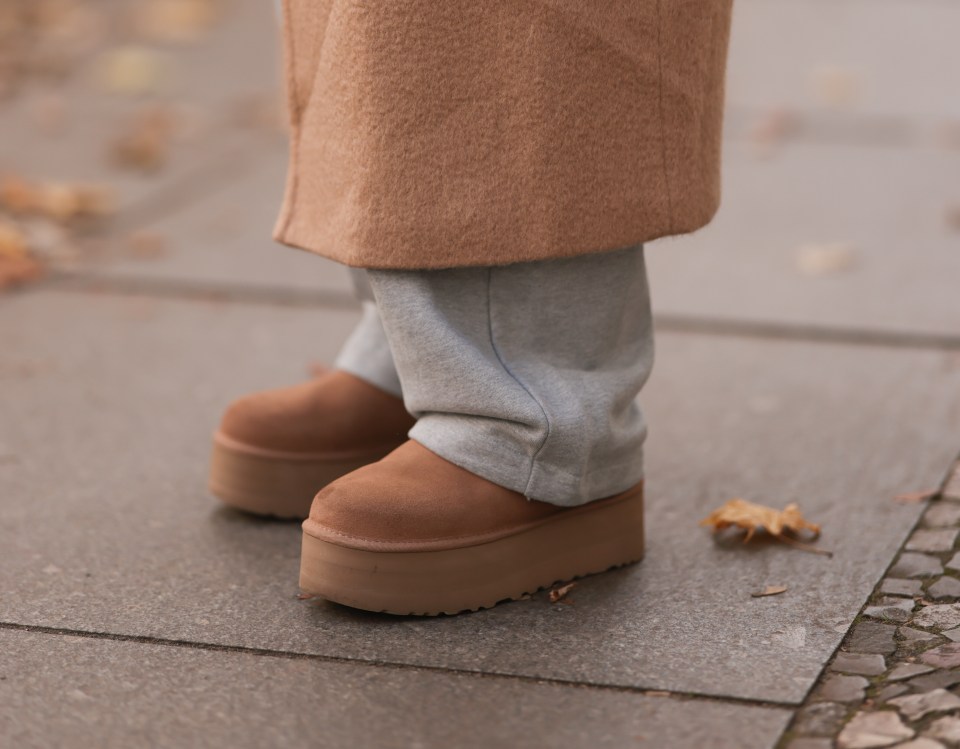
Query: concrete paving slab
(801,55)
(205,84)
(107,410)
(80,692)
(825,236)
(82,152)
(224,239)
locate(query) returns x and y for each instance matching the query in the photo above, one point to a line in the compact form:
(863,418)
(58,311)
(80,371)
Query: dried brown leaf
(558,594)
(17,195)
(65,201)
(13,243)
(835,86)
(145,142)
(770,590)
(146,245)
(176,20)
(17,271)
(770,130)
(752,517)
(133,71)
(61,201)
(916,497)
(826,259)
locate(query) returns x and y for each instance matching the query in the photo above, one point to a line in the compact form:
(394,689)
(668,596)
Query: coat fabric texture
(461,133)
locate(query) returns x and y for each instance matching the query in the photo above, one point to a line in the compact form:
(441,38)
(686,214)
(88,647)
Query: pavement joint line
(208,177)
(812,333)
(293,655)
(849,130)
(93,283)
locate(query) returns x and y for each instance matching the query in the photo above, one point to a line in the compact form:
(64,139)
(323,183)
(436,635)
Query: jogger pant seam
(506,368)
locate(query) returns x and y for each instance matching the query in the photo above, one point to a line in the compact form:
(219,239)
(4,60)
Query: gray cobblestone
(912,635)
(913,564)
(941,514)
(899,587)
(872,637)
(939,540)
(842,688)
(864,664)
(908,671)
(945,587)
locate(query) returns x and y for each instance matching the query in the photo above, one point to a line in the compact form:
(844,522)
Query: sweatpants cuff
(506,465)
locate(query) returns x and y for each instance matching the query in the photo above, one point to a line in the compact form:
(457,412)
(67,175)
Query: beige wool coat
(433,134)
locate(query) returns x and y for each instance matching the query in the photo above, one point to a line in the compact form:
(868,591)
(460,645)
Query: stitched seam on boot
(496,351)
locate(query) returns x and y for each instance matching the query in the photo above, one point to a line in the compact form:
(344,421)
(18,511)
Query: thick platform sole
(274,484)
(450,581)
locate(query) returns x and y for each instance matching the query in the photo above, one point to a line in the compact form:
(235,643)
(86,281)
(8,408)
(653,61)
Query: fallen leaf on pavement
(770,590)
(752,517)
(835,86)
(133,71)
(13,244)
(65,201)
(15,271)
(176,20)
(146,245)
(558,594)
(915,497)
(826,259)
(770,130)
(17,195)
(145,142)
(61,201)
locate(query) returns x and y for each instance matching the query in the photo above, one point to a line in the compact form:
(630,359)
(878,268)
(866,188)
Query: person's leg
(525,466)
(366,353)
(275,449)
(527,374)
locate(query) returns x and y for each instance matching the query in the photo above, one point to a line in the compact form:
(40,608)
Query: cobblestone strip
(895,682)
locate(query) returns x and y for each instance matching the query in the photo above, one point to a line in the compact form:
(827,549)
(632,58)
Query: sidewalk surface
(808,351)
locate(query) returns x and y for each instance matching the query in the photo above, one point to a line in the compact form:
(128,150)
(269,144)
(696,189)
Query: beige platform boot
(416,534)
(274,450)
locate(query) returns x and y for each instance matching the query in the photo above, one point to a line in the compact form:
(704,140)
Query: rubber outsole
(470,578)
(271,484)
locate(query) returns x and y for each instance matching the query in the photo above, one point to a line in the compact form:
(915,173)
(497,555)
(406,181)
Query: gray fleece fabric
(524,374)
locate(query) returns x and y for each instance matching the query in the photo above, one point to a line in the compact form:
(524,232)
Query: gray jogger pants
(524,374)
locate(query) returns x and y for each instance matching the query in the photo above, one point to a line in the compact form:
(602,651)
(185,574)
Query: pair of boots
(395,527)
